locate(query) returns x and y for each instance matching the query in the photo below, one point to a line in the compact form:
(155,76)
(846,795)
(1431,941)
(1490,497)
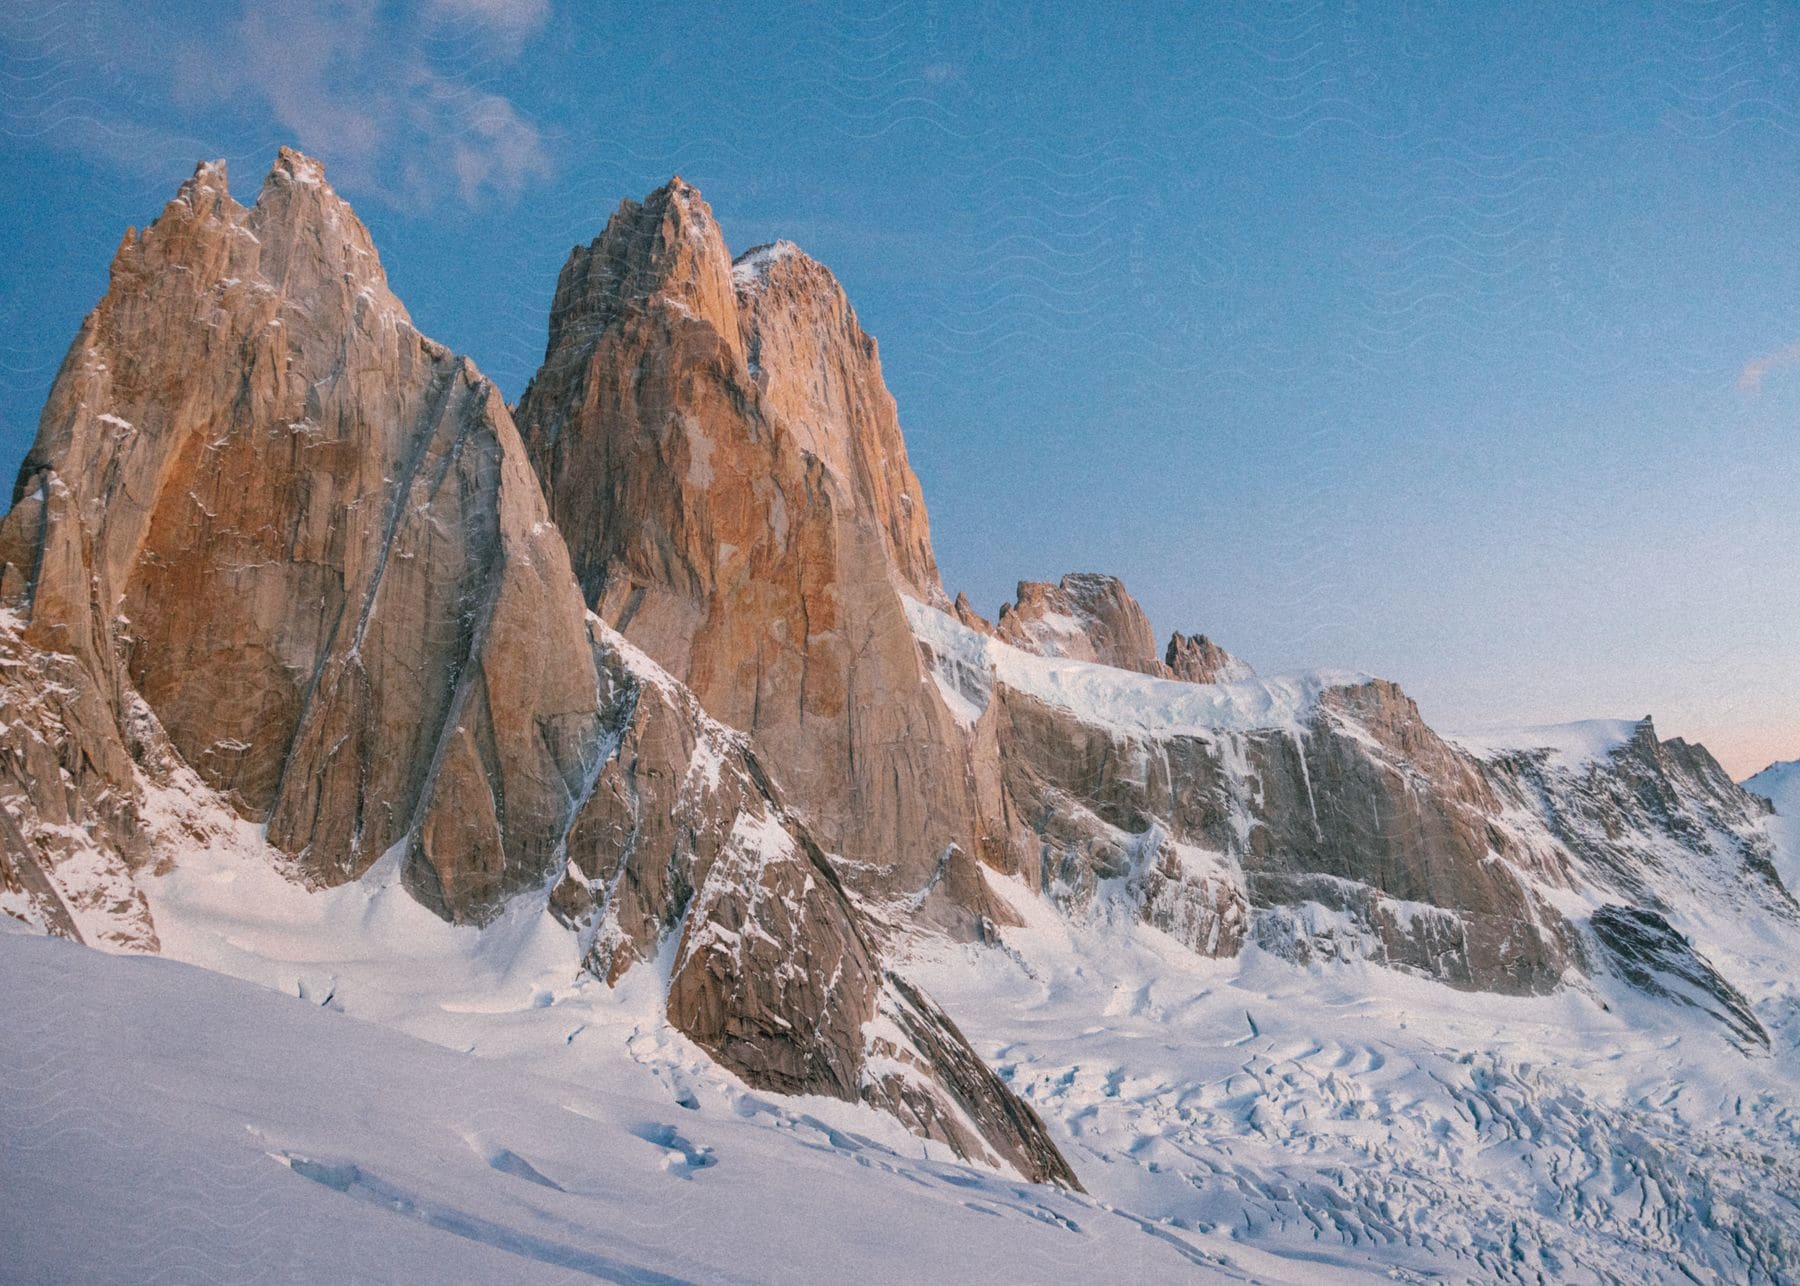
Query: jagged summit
(752,268)
(1198,659)
(1086,616)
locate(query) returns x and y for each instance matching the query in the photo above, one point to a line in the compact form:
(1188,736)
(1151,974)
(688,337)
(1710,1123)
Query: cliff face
(1324,820)
(720,452)
(303,534)
(272,536)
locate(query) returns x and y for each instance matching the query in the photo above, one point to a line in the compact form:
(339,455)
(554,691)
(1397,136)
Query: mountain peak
(664,255)
(1086,616)
(1198,659)
(294,165)
(753,266)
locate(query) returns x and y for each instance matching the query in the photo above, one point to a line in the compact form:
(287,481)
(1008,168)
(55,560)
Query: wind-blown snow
(1568,745)
(752,267)
(967,663)
(164,1122)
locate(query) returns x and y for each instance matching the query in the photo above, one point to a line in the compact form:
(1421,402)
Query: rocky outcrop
(1651,955)
(685,845)
(72,830)
(1197,659)
(965,612)
(1656,822)
(719,451)
(1083,617)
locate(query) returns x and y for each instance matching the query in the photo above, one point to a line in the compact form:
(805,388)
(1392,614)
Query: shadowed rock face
(1368,816)
(1649,953)
(777,970)
(720,452)
(270,532)
(1331,823)
(1656,819)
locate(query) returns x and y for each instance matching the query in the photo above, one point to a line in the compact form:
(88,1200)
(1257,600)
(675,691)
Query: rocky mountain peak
(1086,616)
(1197,659)
(819,374)
(662,256)
(726,465)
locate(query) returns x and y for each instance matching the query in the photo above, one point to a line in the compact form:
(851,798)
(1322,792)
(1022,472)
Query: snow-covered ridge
(967,663)
(1779,783)
(1568,745)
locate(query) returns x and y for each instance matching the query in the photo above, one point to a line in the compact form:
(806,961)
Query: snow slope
(1350,1116)
(968,663)
(1780,784)
(1249,1117)
(165,1123)
(1570,745)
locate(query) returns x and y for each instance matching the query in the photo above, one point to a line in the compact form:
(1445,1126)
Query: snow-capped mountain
(1779,783)
(632,738)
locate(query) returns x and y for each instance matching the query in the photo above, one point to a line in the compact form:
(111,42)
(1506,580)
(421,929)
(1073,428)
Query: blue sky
(1459,347)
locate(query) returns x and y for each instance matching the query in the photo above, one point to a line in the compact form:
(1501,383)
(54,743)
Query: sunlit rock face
(726,464)
(276,551)
(306,535)
(1198,659)
(1085,617)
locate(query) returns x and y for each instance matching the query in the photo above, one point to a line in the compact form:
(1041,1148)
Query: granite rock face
(721,454)
(305,535)
(275,548)
(1197,659)
(778,969)
(1084,617)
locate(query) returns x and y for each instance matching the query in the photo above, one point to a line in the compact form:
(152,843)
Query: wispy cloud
(1750,379)
(403,103)
(363,94)
(510,20)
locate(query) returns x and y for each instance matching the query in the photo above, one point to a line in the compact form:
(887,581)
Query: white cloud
(399,101)
(363,95)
